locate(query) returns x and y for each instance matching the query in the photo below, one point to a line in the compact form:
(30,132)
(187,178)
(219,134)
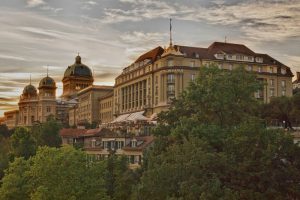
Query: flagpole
(171,32)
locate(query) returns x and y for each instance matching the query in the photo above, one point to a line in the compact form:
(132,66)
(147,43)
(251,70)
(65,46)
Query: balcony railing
(170,81)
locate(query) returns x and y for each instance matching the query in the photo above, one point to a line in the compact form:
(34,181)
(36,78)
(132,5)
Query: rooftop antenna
(30,80)
(225,39)
(170,31)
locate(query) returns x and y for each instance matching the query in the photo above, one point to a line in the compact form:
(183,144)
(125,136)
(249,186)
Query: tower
(76,77)
(46,98)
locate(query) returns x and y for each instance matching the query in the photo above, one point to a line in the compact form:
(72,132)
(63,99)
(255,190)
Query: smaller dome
(29,90)
(47,82)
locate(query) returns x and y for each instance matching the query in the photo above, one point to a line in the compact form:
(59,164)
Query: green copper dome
(47,82)
(29,90)
(78,69)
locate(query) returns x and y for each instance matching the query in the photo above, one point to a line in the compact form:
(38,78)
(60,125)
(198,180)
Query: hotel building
(160,75)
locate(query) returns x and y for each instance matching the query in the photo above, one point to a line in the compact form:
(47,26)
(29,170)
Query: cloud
(34,3)
(138,37)
(4,99)
(259,20)
(88,5)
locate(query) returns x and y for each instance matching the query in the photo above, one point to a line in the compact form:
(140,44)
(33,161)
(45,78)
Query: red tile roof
(298,78)
(147,140)
(152,55)
(72,132)
(229,48)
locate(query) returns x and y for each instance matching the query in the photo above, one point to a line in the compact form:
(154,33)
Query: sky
(111,34)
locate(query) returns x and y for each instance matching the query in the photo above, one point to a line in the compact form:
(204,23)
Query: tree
(55,174)
(284,109)
(4,154)
(22,142)
(15,182)
(223,98)
(119,179)
(47,134)
(254,163)
(215,146)
(4,130)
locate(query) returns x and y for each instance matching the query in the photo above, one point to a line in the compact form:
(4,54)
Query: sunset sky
(110,34)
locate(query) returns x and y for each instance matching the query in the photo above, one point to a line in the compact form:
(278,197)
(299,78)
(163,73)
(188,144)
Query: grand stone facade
(37,106)
(161,74)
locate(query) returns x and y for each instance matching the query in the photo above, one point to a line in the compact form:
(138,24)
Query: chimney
(298,76)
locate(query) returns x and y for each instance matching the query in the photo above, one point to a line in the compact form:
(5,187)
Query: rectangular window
(48,109)
(192,63)
(171,89)
(272,92)
(171,78)
(259,69)
(283,84)
(272,82)
(170,63)
(193,77)
(283,92)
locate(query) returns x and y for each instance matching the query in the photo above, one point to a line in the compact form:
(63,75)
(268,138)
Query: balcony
(170,81)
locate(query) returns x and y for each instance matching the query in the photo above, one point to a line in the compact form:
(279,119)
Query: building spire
(171,32)
(47,70)
(30,80)
(225,39)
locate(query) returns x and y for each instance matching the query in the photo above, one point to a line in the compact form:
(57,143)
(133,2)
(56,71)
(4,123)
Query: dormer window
(170,63)
(197,55)
(229,57)
(249,58)
(283,71)
(259,59)
(219,56)
(239,57)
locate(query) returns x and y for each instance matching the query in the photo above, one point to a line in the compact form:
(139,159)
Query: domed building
(47,98)
(76,77)
(36,106)
(28,105)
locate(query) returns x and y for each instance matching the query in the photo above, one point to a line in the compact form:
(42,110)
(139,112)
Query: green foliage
(4,131)
(213,145)
(15,182)
(119,179)
(283,109)
(222,98)
(54,174)
(251,162)
(22,142)
(47,134)
(5,149)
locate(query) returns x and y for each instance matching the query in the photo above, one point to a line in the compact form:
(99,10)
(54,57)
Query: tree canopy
(212,144)
(23,143)
(285,110)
